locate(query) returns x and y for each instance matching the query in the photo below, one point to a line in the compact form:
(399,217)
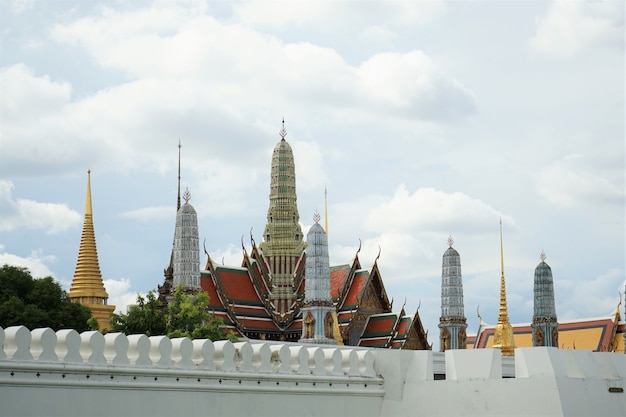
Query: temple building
(276,292)
(319,314)
(87,285)
(545,326)
(452,323)
(599,334)
(186,271)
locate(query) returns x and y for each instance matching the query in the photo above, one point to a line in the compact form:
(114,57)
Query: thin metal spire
(178,199)
(326,211)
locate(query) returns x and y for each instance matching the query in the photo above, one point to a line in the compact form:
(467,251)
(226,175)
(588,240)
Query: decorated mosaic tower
(452,323)
(186,249)
(317,310)
(283,242)
(545,326)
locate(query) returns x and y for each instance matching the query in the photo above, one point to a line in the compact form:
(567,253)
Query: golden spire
(88,211)
(503,333)
(87,286)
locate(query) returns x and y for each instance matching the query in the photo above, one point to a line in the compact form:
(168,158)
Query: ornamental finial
(450,241)
(283,131)
(187,196)
(542,256)
(316,217)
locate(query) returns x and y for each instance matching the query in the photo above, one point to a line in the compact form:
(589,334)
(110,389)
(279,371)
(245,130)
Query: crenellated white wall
(65,373)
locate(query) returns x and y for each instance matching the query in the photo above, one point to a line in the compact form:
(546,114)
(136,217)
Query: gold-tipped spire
(87,286)
(88,202)
(503,333)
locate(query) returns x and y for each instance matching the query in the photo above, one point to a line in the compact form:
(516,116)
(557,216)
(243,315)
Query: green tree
(147,316)
(187,315)
(37,302)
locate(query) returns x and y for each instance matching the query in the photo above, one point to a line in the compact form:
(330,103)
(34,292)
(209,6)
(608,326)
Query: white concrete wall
(65,373)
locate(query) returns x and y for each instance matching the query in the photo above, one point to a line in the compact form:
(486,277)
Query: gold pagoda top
(503,332)
(87,285)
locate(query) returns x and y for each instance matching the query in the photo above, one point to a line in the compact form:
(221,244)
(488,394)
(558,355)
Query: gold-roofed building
(87,286)
(599,334)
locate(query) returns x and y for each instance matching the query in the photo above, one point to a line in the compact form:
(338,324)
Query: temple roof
(240,296)
(387,330)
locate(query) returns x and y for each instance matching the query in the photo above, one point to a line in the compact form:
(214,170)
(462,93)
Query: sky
(423,120)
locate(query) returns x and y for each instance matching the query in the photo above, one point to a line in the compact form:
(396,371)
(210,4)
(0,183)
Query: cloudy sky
(422,119)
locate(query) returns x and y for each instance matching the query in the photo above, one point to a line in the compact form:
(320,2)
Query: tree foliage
(36,303)
(186,315)
(148,316)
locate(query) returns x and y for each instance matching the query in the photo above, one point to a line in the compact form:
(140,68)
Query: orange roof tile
(356,289)
(255,323)
(207,285)
(338,275)
(378,342)
(238,286)
(403,327)
(380,325)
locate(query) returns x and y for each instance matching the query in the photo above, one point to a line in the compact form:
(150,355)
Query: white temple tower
(317,310)
(452,323)
(186,248)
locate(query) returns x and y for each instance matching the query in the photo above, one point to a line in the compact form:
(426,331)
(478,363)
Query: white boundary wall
(64,373)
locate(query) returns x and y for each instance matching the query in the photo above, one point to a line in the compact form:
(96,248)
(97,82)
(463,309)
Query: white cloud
(120,294)
(333,17)
(310,170)
(232,255)
(40,130)
(18,213)
(245,67)
(428,209)
(574,180)
(37,262)
(21,6)
(21,90)
(599,294)
(572,26)
(410,83)
(150,213)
